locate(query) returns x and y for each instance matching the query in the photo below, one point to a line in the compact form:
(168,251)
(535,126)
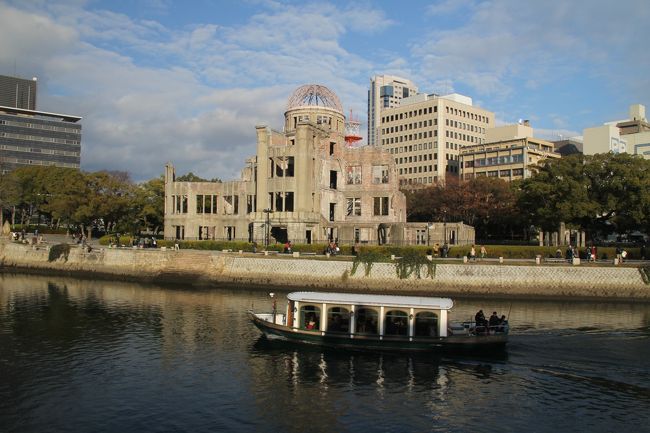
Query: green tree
(620,187)
(600,194)
(108,197)
(150,203)
(557,192)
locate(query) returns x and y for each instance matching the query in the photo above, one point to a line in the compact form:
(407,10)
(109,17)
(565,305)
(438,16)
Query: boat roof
(374,300)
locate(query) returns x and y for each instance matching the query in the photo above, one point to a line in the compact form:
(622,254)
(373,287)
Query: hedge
(41,229)
(384,251)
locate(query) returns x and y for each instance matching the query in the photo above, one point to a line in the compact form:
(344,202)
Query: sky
(186,82)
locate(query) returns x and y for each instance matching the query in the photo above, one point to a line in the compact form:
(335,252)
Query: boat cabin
(368,315)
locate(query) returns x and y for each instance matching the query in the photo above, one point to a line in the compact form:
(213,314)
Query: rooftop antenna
(352,134)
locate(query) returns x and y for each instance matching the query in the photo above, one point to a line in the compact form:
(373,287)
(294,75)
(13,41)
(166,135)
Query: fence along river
(80,355)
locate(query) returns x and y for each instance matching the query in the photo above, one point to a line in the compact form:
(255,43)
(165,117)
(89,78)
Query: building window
(231,205)
(278,202)
(354,175)
(204,233)
(181,203)
(380,207)
(251,203)
(379,174)
(288,201)
(354,206)
(207,203)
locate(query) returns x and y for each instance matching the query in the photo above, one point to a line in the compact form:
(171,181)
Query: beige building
(425,135)
(603,139)
(304,185)
(636,131)
(508,153)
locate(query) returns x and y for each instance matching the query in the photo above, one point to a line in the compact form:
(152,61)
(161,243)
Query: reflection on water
(105,356)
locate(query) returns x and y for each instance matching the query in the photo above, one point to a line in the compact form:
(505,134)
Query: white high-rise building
(426,133)
(386,91)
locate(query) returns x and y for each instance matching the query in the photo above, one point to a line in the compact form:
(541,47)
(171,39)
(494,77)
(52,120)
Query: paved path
(53,239)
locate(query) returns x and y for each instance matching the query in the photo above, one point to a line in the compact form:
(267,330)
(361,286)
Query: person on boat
(311,323)
(502,323)
(481,323)
(494,321)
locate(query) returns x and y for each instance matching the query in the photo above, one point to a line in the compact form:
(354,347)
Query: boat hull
(275,331)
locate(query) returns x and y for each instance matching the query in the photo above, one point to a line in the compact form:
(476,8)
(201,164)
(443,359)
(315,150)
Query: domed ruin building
(304,185)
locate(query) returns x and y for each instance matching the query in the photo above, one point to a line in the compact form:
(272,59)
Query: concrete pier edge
(205,268)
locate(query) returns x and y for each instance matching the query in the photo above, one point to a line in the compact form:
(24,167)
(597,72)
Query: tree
(600,194)
(191,177)
(150,203)
(482,202)
(108,199)
(620,187)
(557,192)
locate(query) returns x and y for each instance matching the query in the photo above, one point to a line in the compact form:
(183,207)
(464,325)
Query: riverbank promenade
(443,277)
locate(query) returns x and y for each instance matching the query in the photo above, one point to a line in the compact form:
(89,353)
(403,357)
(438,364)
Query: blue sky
(187,81)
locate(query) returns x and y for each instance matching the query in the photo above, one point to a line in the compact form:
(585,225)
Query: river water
(101,356)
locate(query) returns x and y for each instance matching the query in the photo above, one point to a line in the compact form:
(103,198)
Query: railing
(476,329)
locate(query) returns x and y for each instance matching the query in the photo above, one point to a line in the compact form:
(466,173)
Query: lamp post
(444,223)
(268,213)
(429,226)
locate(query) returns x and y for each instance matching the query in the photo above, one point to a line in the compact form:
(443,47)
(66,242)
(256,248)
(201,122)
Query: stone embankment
(194,267)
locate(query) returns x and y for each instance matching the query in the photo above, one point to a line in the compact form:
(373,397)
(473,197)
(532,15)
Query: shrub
(57,251)
(412,261)
(645,273)
(367,256)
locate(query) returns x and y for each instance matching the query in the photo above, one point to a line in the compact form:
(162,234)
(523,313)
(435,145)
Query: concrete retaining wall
(206,267)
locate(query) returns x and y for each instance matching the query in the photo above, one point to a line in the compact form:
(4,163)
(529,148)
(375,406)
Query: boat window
(367,321)
(426,324)
(338,319)
(396,323)
(310,317)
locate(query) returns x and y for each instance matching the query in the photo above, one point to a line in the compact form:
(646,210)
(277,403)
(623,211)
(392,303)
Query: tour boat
(375,322)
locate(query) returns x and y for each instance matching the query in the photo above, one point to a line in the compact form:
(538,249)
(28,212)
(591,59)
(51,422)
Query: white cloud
(151,93)
(146,91)
(446,7)
(503,41)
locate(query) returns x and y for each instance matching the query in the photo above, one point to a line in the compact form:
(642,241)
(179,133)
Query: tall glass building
(18,92)
(31,137)
(386,91)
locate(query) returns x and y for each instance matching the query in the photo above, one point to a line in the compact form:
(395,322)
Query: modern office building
(508,153)
(31,137)
(425,135)
(18,92)
(304,185)
(386,91)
